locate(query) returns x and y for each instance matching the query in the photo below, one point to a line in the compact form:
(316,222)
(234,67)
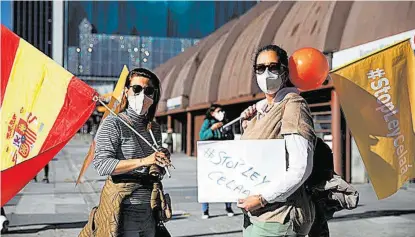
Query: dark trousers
(46,170)
(137,221)
(320,227)
(170,147)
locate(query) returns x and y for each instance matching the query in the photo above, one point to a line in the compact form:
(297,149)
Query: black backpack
(323,167)
(227,133)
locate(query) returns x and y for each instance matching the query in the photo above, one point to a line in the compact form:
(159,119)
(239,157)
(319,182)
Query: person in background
(46,177)
(211,130)
(169,140)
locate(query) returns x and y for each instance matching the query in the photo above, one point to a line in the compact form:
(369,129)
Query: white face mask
(219,116)
(269,82)
(140,103)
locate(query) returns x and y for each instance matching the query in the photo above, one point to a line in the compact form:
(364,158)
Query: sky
(6,13)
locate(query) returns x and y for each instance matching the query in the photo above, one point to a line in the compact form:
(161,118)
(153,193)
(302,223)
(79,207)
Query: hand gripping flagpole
(96,98)
(240,118)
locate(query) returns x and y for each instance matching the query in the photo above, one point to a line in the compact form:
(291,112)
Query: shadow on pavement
(372,214)
(49,193)
(213,234)
(178,217)
(53,226)
(72,225)
(215,216)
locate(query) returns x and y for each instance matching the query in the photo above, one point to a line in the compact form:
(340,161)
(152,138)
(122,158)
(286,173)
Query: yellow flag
(118,91)
(375,95)
(116,98)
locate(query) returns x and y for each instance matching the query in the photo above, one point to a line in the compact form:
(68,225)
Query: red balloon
(309,68)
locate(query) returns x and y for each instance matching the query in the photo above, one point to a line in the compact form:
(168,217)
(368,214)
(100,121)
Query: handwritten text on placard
(228,170)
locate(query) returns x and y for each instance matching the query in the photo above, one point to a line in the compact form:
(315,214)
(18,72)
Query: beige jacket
(290,116)
(104,220)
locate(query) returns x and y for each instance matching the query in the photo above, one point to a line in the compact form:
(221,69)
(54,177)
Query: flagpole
(232,122)
(138,134)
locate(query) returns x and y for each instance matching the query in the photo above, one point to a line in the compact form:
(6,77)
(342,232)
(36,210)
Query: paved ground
(60,209)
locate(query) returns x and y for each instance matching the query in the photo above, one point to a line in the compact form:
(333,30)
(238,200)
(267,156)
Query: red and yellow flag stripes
(42,107)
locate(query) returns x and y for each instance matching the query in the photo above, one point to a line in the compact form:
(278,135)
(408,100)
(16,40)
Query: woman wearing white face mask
(125,207)
(210,130)
(283,208)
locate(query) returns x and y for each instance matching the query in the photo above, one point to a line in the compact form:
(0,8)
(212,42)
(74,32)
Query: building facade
(32,21)
(182,19)
(103,36)
(91,56)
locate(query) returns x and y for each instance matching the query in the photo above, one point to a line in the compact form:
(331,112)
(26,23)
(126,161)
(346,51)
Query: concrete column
(348,154)
(57,32)
(189,142)
(336,133)
(169,121)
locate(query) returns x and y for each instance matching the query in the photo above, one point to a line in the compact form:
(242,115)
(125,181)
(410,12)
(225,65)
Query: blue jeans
(205,206)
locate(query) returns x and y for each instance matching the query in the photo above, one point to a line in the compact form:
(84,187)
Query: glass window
(105,55)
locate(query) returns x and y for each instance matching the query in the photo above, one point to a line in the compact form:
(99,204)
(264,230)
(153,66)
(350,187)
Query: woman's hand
(159,158)
(165,151)
(244,124)
(249,112)
(216,126)
(251,203)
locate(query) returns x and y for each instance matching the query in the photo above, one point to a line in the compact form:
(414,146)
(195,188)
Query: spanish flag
(377,95)
(42,106)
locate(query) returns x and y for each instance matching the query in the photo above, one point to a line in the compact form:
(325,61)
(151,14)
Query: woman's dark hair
(282,58)
(153,81)
(210,111)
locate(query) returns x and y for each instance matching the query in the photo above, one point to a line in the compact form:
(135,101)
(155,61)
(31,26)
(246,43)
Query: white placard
(229,170)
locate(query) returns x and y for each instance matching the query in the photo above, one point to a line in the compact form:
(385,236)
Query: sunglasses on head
(149,91)
(272,67)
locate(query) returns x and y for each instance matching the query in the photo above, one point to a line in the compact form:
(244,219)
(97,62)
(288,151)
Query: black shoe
(230,212)
(205,215)
(45,180)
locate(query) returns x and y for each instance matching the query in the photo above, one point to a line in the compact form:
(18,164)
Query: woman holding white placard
(211,130)
(283,208)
